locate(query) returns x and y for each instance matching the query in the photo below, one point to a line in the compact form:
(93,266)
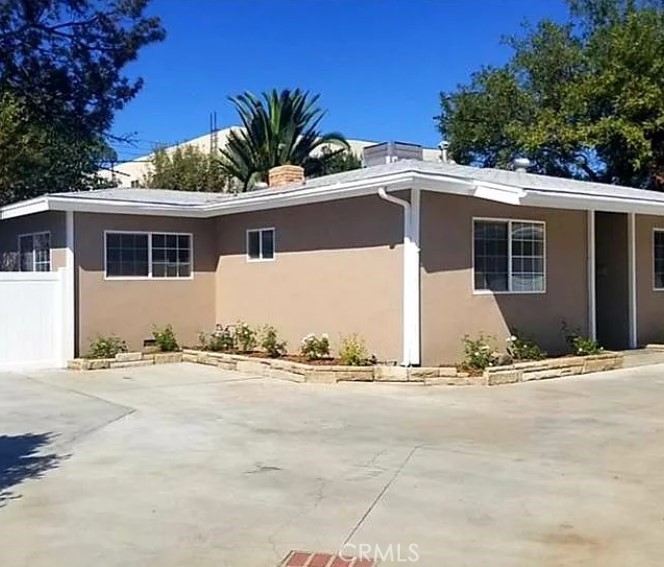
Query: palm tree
(279,128)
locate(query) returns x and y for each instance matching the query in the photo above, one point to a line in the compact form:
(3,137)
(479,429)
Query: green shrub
(314,348)
(245,337)
(165,339)
(579,344)
(271,343)
(353,351)
(106,347)
(221,340)
(520,347)
(479,353)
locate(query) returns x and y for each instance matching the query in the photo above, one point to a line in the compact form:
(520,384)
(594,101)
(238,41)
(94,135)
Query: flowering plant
(314,348)
(479,354)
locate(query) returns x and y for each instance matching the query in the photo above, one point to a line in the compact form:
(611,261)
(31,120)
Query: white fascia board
(586,202)
(123,207)
(37,205)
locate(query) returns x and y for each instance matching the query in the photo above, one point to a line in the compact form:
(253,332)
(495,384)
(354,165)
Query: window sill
(489,292)
(145,279)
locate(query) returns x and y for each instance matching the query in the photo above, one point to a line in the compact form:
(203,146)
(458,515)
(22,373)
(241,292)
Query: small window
(658,254)
(509,256)
(260,244)
(148,255)
(35,252)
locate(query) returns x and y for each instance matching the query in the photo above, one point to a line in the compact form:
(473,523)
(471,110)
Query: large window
(509,256)
(260,244)
(34,252)
(658,255)
(148,255)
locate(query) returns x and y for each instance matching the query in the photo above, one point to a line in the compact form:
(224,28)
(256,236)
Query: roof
(511,187)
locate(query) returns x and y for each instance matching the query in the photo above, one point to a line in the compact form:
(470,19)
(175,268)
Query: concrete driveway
(185,465)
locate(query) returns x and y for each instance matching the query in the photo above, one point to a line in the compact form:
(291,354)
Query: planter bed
(330,373)
(299,372)
(125,360)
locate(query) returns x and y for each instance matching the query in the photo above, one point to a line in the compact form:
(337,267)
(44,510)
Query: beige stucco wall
(10,229)
(450,309)
(338,270)
(650,303)
(130,308)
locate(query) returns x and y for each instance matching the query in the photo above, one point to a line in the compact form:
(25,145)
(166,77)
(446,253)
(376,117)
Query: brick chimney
(285,175)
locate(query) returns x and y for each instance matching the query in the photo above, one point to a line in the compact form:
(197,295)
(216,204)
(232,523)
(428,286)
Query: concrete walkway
(185,465)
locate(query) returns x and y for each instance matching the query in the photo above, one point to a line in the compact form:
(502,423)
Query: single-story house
(411,255)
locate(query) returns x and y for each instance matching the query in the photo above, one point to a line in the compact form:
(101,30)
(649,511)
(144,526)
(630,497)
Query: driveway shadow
(21,458)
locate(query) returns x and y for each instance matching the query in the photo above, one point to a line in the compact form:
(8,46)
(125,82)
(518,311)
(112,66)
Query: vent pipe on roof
(521,165)
(443,147)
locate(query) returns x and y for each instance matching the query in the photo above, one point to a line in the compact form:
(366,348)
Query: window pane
(253,244)
(527,257)
(658,254)
(171,259)
(127,255)
(490,258)
(268,243)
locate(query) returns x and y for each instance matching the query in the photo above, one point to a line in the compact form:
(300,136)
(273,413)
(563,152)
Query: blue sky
(378,65)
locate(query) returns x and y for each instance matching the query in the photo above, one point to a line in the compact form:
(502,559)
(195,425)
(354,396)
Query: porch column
(631,271)
(592,280)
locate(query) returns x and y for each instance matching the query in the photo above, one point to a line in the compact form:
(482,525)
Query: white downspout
(411,274)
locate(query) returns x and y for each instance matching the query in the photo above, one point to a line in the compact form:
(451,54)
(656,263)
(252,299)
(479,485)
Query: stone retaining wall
(124,360)
(327,374)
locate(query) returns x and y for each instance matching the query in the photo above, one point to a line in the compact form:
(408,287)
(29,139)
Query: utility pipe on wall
(411,274)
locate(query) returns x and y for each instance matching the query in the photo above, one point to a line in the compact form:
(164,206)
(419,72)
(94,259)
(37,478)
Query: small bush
(314,348)
(106,347)
(221,340)
(271,343)
(479,354)
(579,344)
(520,347)
(245,337)
(165,339)
(353,351)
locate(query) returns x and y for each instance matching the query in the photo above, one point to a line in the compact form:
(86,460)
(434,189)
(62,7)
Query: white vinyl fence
(34,328)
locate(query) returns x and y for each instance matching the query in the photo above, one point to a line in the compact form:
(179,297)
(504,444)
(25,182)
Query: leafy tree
(581,99)
(334,161)
(279,128)
(61,82)
(187,168)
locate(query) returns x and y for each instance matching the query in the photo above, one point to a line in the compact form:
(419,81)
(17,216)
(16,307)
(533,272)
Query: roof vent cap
(521,164)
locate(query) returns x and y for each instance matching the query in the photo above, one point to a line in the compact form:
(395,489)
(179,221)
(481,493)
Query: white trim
(592,275)
(150,277)
(260,244)
(34,263)
(509,291)
(631,270)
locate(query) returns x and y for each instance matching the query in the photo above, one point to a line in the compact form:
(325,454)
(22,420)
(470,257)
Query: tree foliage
(278,128)
(581,99)
(187,168)
(61,81)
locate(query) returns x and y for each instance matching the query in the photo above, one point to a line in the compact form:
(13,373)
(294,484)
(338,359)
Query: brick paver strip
(308,559)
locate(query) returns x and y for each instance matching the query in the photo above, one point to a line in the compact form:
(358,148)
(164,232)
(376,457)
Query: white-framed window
(658,259)
(509,256)
(260,244)
(34,252)
(138,255)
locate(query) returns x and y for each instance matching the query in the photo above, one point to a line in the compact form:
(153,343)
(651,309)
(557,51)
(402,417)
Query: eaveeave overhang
(272,199)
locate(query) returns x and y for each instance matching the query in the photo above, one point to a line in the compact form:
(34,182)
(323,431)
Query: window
(658,255)
(148,255)
(260,244)
(34,252)
(509,256)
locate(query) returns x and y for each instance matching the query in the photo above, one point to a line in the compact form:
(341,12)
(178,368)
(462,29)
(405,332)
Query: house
(412,255)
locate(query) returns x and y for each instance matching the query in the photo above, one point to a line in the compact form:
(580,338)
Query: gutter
(411,274)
